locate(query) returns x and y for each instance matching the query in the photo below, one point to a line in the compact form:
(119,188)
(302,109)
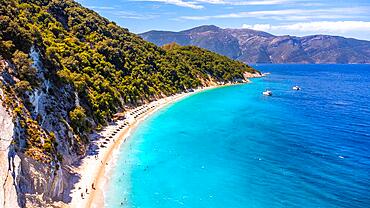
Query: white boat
(267,93)
(296,88)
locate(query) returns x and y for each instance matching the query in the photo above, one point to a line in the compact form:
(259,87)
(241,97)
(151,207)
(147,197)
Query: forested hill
(64,71)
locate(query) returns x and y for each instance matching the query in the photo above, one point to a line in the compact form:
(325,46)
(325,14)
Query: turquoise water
(232,147)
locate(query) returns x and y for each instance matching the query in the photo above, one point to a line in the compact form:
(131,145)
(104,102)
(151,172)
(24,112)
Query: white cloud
(199,4)
(238,2)
(181,3)
(323,27)
(260,27)
(290,14)
(327,26)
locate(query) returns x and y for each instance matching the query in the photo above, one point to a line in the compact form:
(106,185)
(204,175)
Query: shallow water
(233,147)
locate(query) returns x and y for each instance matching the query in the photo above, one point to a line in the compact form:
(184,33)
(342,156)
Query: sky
(348,18)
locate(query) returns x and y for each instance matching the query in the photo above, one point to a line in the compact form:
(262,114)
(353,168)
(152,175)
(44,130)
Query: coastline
(88,191)
(338,158)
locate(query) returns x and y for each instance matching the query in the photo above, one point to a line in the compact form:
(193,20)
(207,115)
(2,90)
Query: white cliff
(9,161)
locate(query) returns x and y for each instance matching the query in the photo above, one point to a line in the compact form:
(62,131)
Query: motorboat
(267,93)
(296,88)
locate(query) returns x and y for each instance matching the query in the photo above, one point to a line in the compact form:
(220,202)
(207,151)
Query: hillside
(252,46)
(64,72)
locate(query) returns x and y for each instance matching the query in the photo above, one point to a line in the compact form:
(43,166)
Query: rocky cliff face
(252,46)
(30,177)
(9,161)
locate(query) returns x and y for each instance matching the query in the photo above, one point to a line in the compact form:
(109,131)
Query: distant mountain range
(251,46)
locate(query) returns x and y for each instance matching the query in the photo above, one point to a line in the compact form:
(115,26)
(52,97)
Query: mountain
(252,46)
(64,72)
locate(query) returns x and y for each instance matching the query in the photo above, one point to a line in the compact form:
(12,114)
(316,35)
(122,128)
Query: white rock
(8,194)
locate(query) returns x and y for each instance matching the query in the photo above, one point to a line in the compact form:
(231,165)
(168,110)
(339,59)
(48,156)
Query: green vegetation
(107,66)
(209,64)
(78,119)
(40,145)
(23,65)
(23,86)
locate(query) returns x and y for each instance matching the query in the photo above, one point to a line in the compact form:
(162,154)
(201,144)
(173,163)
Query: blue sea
(231,147)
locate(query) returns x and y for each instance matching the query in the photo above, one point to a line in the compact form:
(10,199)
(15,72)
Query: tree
(23,86)
(24,67)
(78,119)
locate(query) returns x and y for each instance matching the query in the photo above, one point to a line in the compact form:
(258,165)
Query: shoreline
(88,191)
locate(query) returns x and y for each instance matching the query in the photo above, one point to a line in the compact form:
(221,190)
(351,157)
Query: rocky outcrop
(252,75)
(252,46)
(27,181)
(9,161)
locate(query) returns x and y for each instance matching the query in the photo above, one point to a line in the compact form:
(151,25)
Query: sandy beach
(88,191)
